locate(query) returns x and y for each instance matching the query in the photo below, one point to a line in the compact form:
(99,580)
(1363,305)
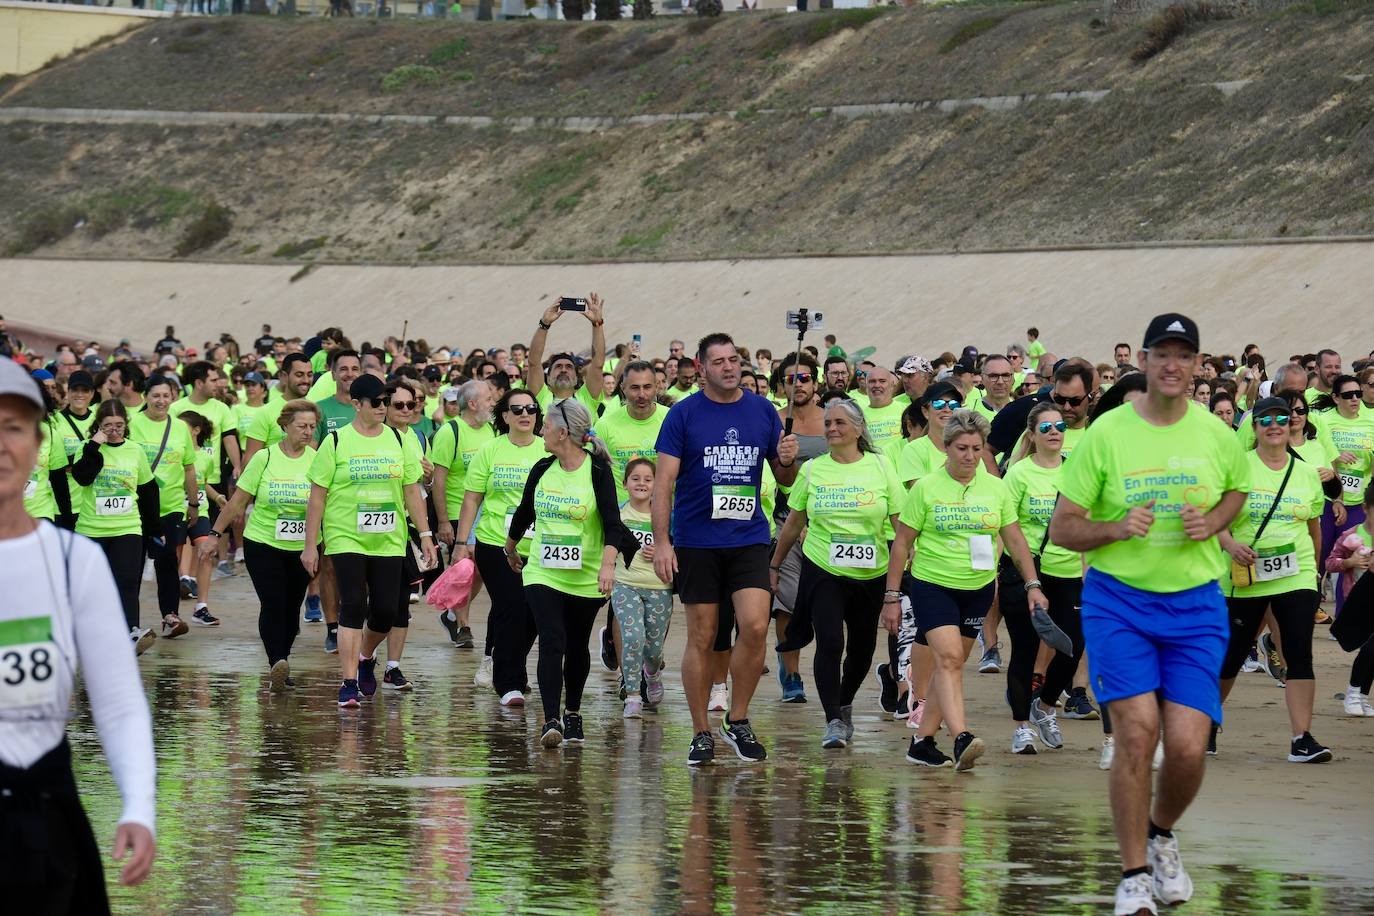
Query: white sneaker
(634,707)
(512,698)
(142,638)
(1023,740)
(414,597)
(1159,755)
(483,676)
(1353,704)
(1105,762)
(720,698)
(238,555)
(1364,702)
(148,571)
(1047,726)
(1134,894)
(653,682)
(1171,881)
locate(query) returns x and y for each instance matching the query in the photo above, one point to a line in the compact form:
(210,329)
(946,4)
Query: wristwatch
(216,534)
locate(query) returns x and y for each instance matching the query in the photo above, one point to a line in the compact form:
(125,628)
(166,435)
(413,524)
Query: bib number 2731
(733,503)
(376,520)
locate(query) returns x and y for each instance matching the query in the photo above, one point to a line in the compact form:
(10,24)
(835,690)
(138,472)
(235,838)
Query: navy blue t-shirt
(722,448)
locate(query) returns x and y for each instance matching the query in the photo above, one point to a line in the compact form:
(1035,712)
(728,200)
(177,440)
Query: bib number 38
(28,660)
(733,503)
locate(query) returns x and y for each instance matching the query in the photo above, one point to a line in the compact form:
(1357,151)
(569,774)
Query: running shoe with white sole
(204,618)
(740,736)
(173,626)
(465,639)
(1171,882)
(1023,740)
(552,735)
(451,625)
(1135,895)
(348,695)
(331,641)
(313,612)
(1212,740)
(1078,706)
(279,675)
(484,670)
(1046,727)
(1269,657)
(142,638)
(1364,703)
(720,698)
(1108,752)
(967,749)
(513,698)
(1308,750)
(991,662)
(223,570)
(634,708)
(835,735)
(1252,664)
(415,597)
(793,691)
(609,660)
(188,588)
(572,728)
(367,675)
(923,752)
(847,717)
(903,709)
(1352,701)
(653,685)
(887,688)
(702,750)
(393,679)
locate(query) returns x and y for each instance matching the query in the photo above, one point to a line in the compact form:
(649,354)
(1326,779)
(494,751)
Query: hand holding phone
(570,304)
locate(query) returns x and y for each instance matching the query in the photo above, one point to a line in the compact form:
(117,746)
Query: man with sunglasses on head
(1149,487)
(562,380)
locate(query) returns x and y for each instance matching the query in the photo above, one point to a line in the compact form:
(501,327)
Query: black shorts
(200,528)
(710,575)
(941,606)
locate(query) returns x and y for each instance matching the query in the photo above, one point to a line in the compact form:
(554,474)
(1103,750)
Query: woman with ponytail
(570,500)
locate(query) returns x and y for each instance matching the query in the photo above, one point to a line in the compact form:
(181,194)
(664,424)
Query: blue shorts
(1142,642)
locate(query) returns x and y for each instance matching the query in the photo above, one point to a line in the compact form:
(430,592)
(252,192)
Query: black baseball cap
(80,379)
(560,356)
(433,373)
(1172,326)
(1266,405)
(366,386)
(962,369)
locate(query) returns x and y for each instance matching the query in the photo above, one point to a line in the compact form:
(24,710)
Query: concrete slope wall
(32,34)
(1285,297)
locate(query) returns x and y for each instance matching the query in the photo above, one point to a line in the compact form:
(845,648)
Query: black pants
(511,629)
(1293,611)
(1064,596)
(836,602)
(565,624)
(165,563)
(124,552)
(280,581)
(369,589)
(1362,671)
(51,863)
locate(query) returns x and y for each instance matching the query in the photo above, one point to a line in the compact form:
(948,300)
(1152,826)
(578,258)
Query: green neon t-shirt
(170,472)
(1356,437)
(498,471)
(280,487)
(69,434)
(264,426)
(324,387)
(848,513)
(366,476)
(221,417)
(1034,491)
(956,527)
(565,553)
(546,399)
(917,459)
(243,418)
(627,439)
(884,423)
(1287,558)
(109,506)
(39,501)
(1123,461)
(454,446)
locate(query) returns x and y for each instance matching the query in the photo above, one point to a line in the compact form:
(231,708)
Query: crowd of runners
(1142,528)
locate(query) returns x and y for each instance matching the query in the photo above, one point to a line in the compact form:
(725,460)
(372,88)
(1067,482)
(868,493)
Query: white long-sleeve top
(87,632)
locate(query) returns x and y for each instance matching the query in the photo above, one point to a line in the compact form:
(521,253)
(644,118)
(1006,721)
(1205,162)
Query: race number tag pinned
(201,500)
(510,516)
(733,503)
(1352,484)
(110,504)
(643,532)
(980,552)
(377,518)
(290,528)
(1276,562)
(28,657)
(30,488)
(853,552)
(560,551)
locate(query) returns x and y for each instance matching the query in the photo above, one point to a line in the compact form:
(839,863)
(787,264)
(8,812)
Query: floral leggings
(644,614)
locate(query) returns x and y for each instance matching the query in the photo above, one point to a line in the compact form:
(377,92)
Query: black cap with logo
(1172,326)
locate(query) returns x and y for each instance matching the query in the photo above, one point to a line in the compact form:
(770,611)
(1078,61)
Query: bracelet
(893,593)
(775,568)
(888,599)
(427,534)
(544,326)
(216,534)
(1032,583)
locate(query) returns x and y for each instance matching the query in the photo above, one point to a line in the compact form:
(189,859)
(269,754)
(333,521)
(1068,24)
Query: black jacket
(613,530)
(88,467)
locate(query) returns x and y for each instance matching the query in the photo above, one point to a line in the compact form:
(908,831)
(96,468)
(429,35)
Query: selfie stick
(796,367)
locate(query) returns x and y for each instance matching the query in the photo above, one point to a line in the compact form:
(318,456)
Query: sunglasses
(376,402)
(942,403)
(1066,401)
(523,409)
(403,405)
(1045,426)
(1350,395)
(1299,410)
(800,378)
(1268,421)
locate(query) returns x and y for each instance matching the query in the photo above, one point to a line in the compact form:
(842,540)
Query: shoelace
(742,731)
(1168,859)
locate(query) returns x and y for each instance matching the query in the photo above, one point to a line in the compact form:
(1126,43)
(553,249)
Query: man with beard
(296,379)
(562,369)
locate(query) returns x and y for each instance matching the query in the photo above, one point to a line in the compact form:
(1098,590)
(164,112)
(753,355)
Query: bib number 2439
(733,503)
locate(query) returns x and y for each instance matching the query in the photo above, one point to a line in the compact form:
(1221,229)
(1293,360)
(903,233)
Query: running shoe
(331,641)
(1108,752)
(887,688)
(484,672)
(1269,657)
(313,612)
(223,570)
(1078,706)
(142,638)
(572,728)
(991,662)
(1307,750)
(553,734)
(919,710)
(793,691)
(923,752)
(279,675)
(238,555)
(1354,706)
(1046,726)
(450,624)
(1212,741)
(512,698)
(1135,895)
(740,736)
(634,708)
(348,695)
(1321,617)
(1023,740)
(1172,884)
(415,597)
(1364,702)
(903,706)
(702,751)
(835,735)
(203,617)
(393,679)
(967,749)
(367,675)
(1252,663)
(720,698)
(188,588)
(609,661)
(653,686)
(847,717)
(782,672)
(465,638)
(173,626)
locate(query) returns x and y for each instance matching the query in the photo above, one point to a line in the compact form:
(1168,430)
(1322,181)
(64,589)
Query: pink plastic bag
(454,587)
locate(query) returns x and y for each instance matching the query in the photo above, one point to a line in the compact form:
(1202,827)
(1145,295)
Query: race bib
(28,659)
(376,519)
(854,552)
(642,532)
(30,488)
(733,502)
(980,552)
(561,551)
(290,529)
(1276,562)
(114,505)
(201,500)
(510,517)
(1351,483)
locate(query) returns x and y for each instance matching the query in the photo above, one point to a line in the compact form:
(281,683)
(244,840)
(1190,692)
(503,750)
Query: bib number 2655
(733,503)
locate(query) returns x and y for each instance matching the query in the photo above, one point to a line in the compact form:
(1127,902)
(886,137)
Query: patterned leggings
(643,614)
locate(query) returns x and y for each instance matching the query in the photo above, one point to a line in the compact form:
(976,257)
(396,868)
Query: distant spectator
(169,342)
(10,346)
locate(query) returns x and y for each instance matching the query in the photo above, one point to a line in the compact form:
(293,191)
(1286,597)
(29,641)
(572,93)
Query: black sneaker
(967,749)
(450,625)
(1269,658)
(393,679)
(902,708)
(572,728)
(465,639)
(204,618)
(1212,741)
(923,752)
(552,735)
(887,688)
(331,641)
(740,736)
(1078,706)
(1307,750)
(609,660)
(702,751)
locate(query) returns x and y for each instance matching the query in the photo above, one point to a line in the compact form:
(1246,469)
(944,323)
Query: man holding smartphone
(562,379)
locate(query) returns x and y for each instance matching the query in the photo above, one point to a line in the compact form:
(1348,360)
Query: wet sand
(440,801)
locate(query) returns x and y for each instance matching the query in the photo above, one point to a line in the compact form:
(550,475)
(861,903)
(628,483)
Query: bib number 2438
(733,503)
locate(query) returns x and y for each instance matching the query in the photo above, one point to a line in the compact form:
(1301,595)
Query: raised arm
(534,362)
(595,314)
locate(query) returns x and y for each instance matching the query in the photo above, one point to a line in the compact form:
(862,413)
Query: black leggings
(511,627)
(369,588)
(1064,596)
(1293,611)
(280,581)
(1362,671)
(124,552)
(565,624)
(165,563)
(834,603)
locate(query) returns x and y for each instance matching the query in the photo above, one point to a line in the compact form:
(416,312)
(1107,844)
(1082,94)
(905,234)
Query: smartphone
(815,321)
(569,304)
(636,342)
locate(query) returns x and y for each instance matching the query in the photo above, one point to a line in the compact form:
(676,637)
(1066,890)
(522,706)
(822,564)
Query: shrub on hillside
(209,227)
(1170,24)
(408,75)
